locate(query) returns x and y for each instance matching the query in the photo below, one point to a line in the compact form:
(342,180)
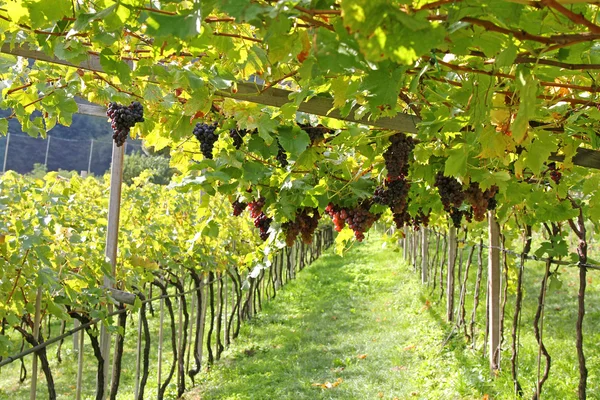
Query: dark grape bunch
(456,216)
(315,133)
(421,219)
(359,219)
(123,118)
(305,223)
(480,200)
(401,219)
(238,137)
(207,137)
(281,156)
(394,195)
(238,207)
(262,222)
(450,191)
(397,156)
(555,174)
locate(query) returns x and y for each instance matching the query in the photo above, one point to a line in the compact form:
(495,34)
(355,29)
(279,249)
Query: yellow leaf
(362,356)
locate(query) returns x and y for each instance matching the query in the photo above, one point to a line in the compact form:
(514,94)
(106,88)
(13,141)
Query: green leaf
(526,108)
(293,139)
(3,126)
(543,145)
(456,164)
(178,26)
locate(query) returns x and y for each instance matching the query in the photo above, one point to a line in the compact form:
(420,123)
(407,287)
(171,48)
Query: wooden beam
(322,106)
(251,92)
(91,64)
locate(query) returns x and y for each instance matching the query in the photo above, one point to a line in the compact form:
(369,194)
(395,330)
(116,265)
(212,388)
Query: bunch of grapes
(304,224)
(207,137)
(450,191)
(335,212)
(555,174)
(123,118)
(359,219)
(238,207)
(394,194)
(421,219)
(401,219)
(397,156)
(456,216)
(238,137)
(315,133)
(281,156)
(262,222)
(256,207)
(480,200)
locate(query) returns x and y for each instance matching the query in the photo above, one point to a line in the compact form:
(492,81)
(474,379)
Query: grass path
(357,322)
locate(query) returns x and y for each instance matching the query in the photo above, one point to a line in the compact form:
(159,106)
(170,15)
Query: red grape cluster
(359,218)
(238,137)
(123,118)
(207,137)
(304,224)
(256,207)
(261,221)
(238,207)
(281,156)
(397,156)
(450,191)
(480,200)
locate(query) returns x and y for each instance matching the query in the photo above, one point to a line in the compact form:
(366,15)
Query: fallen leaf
(485,397)
(411,347)
(399,368)
(328,385)
(380,395)
(362,356)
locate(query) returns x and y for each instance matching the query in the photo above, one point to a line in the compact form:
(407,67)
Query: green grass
(371,303)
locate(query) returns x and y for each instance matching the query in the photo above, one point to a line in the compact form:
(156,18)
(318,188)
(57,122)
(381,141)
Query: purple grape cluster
(123,118)
(238,207)
(281,156)
(207,137)
(238,137)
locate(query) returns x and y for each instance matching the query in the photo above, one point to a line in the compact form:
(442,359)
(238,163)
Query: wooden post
(452,245)
(424,256)
(406,243)
(47,151)
(112,236)
(90,157)
(6,152)
(160,343)
(37,319)
(494,290)
(80,365)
